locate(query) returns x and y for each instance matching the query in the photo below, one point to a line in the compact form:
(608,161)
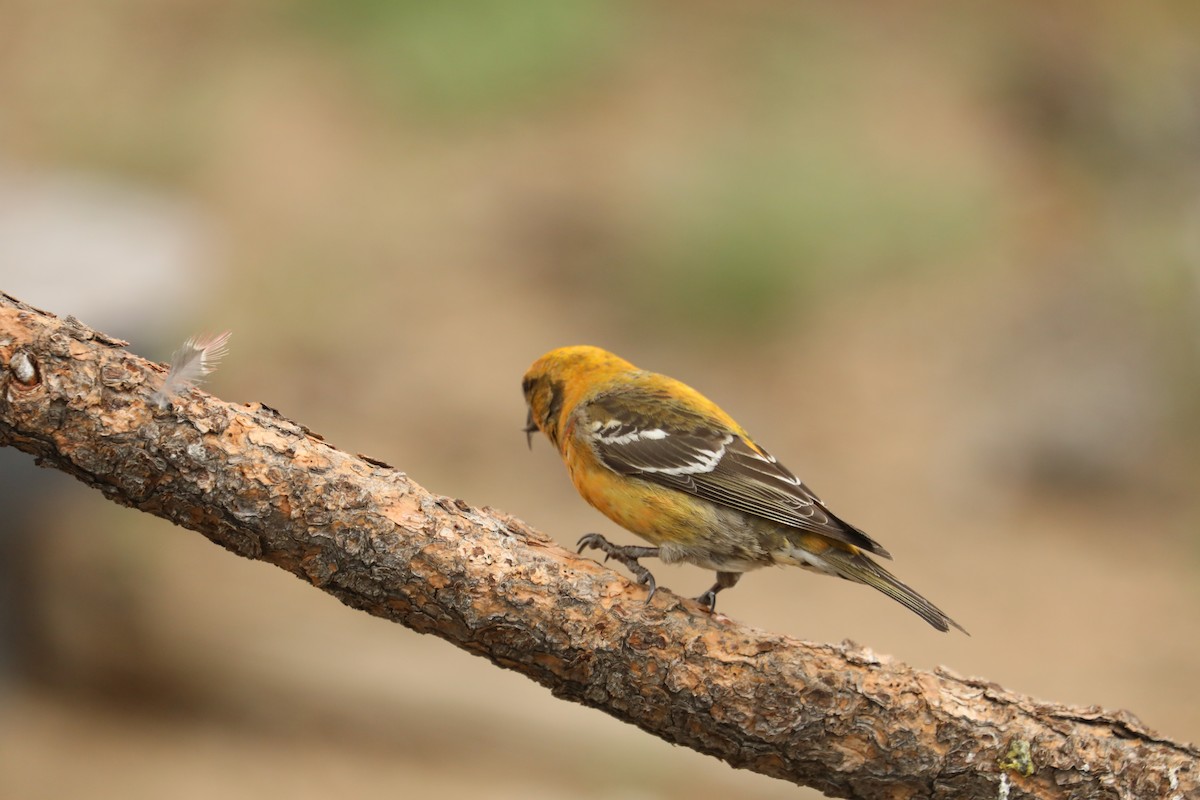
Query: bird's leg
(627,555)
(724,581)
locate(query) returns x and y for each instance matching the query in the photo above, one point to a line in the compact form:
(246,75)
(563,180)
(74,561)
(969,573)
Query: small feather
(196,358)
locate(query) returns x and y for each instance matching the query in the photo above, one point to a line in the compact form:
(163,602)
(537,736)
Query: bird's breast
(657,514)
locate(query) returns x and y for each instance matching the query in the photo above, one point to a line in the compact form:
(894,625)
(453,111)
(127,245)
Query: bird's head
(556,382)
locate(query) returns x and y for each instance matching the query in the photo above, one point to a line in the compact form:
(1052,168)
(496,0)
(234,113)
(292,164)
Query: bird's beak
(530,429)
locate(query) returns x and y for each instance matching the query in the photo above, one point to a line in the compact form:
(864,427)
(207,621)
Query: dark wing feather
(718,466)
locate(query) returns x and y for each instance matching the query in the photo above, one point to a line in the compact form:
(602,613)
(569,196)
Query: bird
(667,464)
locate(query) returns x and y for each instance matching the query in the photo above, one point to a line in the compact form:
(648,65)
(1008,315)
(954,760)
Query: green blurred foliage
(471,59)
(749,240)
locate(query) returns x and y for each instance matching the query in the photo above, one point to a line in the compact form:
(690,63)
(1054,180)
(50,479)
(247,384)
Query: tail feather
(857,567)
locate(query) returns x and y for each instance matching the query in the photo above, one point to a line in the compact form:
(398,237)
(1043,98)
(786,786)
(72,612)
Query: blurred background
(944,262)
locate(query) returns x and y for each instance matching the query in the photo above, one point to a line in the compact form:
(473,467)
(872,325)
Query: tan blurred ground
(944,265)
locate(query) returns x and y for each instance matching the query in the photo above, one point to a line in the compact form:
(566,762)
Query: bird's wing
(693,455)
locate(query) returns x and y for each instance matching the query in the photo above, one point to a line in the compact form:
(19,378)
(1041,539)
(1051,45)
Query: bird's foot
(724,581)
(626,555)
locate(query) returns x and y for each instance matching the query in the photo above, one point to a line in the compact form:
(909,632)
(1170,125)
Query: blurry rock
(120,258)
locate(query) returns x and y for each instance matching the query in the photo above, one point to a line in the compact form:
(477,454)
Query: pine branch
(837,718)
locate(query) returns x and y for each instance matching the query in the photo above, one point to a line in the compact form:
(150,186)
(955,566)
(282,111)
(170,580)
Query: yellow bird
(661,460)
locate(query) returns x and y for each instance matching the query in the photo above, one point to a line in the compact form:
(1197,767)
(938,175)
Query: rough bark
(838,718)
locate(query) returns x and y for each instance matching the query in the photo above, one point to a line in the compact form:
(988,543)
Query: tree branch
(837,718)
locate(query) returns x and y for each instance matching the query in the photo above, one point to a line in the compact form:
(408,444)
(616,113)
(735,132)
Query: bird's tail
(857,567)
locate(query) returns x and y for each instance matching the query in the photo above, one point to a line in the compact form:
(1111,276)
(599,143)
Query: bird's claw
(592,540)
(625,555)
(647,580)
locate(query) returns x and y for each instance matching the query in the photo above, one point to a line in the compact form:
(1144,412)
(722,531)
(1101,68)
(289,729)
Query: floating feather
(196,358)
